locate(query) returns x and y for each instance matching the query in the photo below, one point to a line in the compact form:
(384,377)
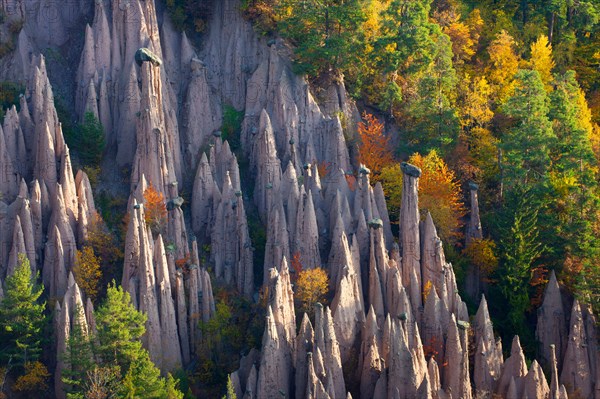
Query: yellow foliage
(476,110)
(483,147)
(155,209)
(427,289)
(475,24)
(311,287)
(87,271)
(464,35)
(481,253)
(584,113)
(35,378)
(541,60)
(503,65)
(439,193)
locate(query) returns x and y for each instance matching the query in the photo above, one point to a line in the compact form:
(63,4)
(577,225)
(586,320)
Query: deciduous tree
(439,193)
(311,287)
(155,209)
(375,150)
(502,67)
(87,271)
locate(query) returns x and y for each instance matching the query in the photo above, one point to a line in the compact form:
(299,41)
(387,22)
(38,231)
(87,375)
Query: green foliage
(113,363)
(526,146)
(22,318)
(326,34)
(9,96)
(120,327)
(435,119)
(90,141)
(232,126)
(230,391)
(235,328)
(405,43)
(519,247)
(78,357)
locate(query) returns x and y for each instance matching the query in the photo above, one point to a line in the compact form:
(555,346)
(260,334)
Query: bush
(9,93)
(155,209)
(232,126)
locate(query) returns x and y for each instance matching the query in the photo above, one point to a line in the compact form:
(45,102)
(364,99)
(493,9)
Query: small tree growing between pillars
(87,271)
(375,148)
(155,209)
(311,287)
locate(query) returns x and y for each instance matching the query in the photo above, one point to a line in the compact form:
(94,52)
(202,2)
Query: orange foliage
(155,209)
(427,290)
(539,279)
(351,180)
(182,262)
(87,271)
(375,151)
(439,193)
(430,348)
(296,264)
(323,168)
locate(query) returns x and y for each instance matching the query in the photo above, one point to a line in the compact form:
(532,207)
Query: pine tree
(22,317)
(143,380)
(572,219)
(405,45)
(327,34)
(437,123)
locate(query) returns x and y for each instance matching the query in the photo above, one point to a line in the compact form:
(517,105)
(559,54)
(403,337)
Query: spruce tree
(120,327)
(78,359)
(526,147)
(22,317)
(519,248)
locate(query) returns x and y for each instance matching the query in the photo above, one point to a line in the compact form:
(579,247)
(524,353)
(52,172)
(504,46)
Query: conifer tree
(526,147)
(120,327)
(22,317)
(519,248)
(78,358)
